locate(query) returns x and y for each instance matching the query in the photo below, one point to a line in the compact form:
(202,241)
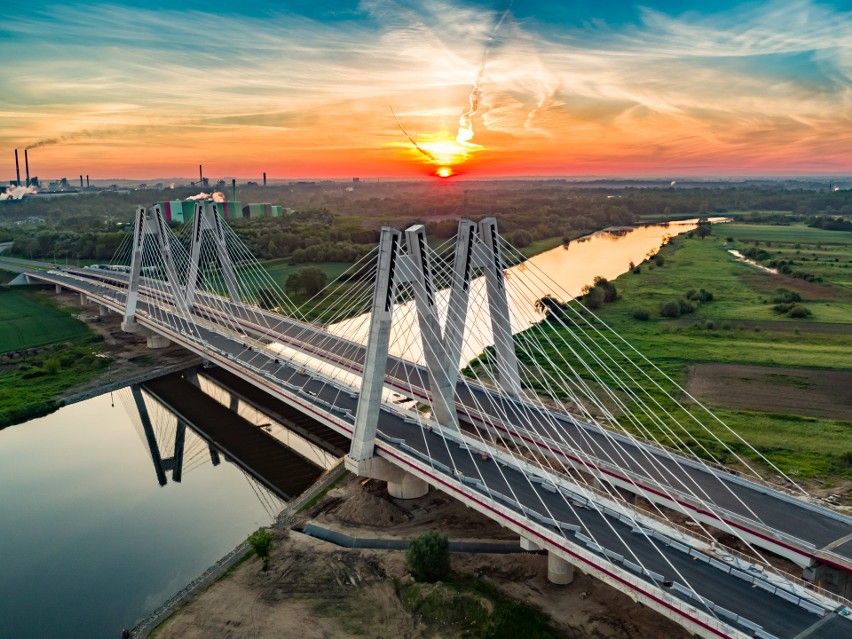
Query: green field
(31,383)
(28,318)
(738,327)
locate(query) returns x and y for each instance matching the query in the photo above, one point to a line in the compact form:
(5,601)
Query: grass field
(31,384)
(738,327)
(28,318)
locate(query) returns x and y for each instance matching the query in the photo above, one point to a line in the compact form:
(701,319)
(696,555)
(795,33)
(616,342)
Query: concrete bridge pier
(83,299)
(154,340)
(103,311)
(401,484)
(529,545)
(58,289)
(559,571)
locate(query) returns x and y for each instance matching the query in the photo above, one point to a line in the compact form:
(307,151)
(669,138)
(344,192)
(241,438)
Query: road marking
(837,542)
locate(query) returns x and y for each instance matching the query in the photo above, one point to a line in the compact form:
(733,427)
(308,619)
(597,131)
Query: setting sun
(444,172)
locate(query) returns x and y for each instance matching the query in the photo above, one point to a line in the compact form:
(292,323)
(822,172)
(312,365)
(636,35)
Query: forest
(340,222)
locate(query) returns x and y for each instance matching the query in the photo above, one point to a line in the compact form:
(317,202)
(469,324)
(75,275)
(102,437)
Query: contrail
(465,133)
(411,139)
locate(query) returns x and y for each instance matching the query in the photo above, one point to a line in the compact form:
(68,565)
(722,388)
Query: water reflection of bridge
(191,419)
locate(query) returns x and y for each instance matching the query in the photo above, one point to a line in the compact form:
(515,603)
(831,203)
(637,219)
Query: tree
(593,297)
(261,542)
(550,307)
(428,557)
(308,280)
(704,228)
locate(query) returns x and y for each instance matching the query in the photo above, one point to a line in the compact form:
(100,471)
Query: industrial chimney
(27,165)
(17,167)
(200,177)
(87,182)
(264,178)
(81,182)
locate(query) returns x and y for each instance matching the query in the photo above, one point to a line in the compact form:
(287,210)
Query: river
(90,541)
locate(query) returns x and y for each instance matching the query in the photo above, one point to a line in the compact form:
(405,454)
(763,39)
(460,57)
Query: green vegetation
(34,369)
(29,318)
(261,543)
(469,607)
(750,318)
(428,557)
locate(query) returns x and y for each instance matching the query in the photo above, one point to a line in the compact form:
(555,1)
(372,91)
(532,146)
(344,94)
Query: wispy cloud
(764,87)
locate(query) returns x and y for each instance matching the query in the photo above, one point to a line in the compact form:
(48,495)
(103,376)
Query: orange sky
(126,91)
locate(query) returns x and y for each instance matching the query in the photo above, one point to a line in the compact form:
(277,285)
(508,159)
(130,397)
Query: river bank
(317,589)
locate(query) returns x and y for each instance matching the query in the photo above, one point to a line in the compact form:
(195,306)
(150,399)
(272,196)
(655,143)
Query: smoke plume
(216,196)
(18,193)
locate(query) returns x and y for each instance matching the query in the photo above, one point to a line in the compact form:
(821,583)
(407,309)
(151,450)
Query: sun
(444,172)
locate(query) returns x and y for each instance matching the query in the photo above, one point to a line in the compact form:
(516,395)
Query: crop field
(29,319)
(782,384)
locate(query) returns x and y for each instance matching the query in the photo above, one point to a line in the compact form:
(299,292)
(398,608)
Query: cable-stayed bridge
(553,432)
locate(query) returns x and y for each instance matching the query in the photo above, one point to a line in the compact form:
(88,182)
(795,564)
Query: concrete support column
(529,545)
(103,311)
(83,299)
(401,484)
(559,571)
(155,340)
(58,289)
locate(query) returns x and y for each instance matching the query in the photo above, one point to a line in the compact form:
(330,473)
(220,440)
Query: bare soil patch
(796,391)
(315,590)
(768,283)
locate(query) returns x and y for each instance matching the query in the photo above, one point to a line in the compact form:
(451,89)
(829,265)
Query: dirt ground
(129,354)
(315,590)
(796,391)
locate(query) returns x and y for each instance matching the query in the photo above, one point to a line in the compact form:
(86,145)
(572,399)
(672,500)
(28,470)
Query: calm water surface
(89,540)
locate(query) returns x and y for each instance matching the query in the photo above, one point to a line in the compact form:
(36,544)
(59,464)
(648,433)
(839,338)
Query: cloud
(765,83)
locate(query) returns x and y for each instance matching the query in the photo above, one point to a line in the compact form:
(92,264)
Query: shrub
(51,366)
(594,297)
(428,557)
(798,312)
(642,314)
(783,296)
(670,309)
(685,307)
(609,290)
(261,542)
(659,260)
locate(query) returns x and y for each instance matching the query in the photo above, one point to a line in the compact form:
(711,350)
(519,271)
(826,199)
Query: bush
(685,307)
(428,557)
(783,296)
(670,309)
(641,314)
(52,366)
(515,619)
(659,260)
(594,297)
(609,290)
(798,312)
(261,542)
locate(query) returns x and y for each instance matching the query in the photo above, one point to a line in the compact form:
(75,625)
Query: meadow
(44,351)
(764,354)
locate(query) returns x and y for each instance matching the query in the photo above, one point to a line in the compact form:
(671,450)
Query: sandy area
(316,590)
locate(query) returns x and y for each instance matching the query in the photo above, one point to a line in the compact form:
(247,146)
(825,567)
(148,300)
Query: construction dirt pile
(317,590)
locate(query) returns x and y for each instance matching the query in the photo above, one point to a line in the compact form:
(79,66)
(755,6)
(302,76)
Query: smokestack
(27,165)
(87,182)
(200,176)
(234,188)
(17,167)
(81,182)
(264,178)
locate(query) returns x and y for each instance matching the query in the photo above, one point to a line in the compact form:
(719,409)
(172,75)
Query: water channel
(90,538)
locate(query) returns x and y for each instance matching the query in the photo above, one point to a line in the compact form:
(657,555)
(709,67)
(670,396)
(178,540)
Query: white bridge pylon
(477,246)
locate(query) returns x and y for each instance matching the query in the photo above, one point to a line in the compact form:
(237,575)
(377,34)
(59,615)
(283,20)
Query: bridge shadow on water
(211,405)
